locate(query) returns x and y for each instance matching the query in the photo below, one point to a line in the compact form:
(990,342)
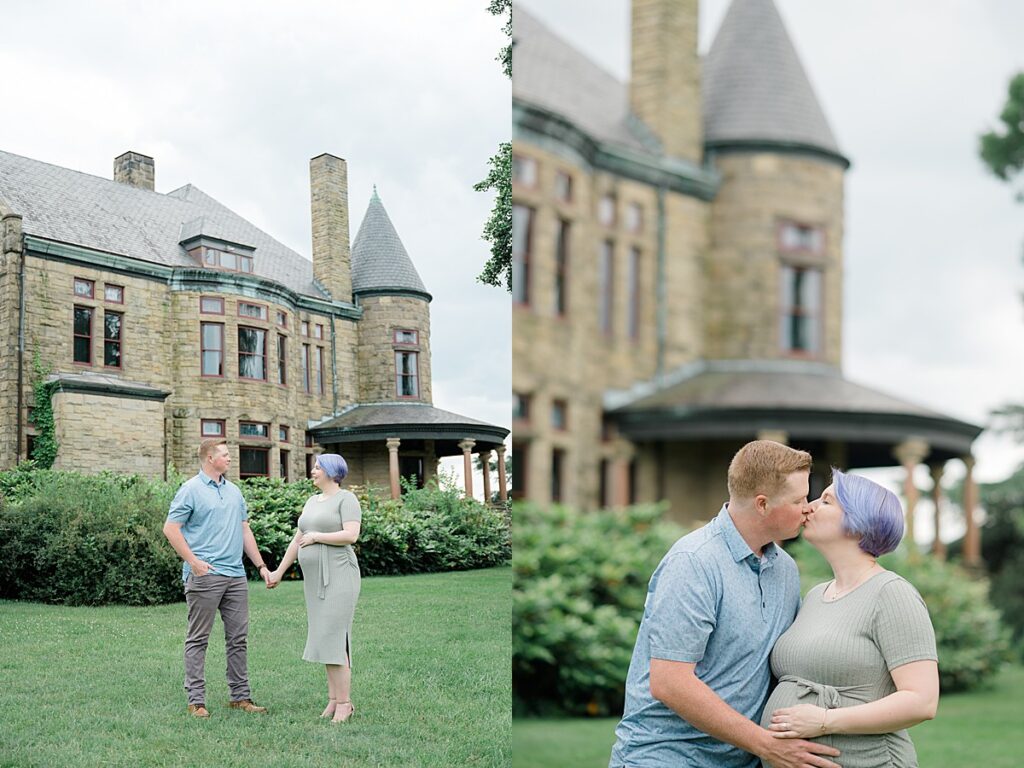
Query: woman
(858,666)
(328,526)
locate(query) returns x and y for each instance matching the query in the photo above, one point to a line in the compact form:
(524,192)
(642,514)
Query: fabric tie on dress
(829,697)
(324,577)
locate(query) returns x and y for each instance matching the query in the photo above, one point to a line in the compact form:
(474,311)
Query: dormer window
(224,259)
(212,252)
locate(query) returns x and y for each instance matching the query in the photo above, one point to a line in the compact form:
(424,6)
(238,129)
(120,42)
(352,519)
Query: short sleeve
(243,507)
(683,610)
(181,506)
(902,627)
(351,512)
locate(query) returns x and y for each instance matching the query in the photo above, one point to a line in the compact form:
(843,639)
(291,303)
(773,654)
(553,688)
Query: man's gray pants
(205,595)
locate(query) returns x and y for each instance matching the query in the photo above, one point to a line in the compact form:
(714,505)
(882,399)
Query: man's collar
(210,481)
(738,548)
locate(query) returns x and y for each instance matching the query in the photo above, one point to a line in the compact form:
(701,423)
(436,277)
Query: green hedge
(972,642)
(580,580)
(81,540)
(92,540)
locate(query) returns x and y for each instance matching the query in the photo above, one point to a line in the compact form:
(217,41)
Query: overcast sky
(932,299)
(236,97)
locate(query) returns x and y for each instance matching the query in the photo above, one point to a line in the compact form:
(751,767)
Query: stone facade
(278,362)
(382,317)
(98,432)
(709,285)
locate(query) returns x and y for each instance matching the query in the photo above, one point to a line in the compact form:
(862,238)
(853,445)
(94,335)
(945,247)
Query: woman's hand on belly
(803,721)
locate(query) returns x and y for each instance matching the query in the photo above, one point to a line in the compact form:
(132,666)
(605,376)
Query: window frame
(223,427)
(282,360)
(399,375)
(283,464)
(524,257)
(567,197)
(521,162)
(203,350)
(265,450)
(560,404)
(562,241)
(119,340)
(259,438)
(264,311)
(558,462)
(319,369)
(218,299)
(107,286)
(75,335)
(84,281)
(283,433)
(633,286)
(251,354)
(306,361)
(606,288)
(525,402)
(787,313)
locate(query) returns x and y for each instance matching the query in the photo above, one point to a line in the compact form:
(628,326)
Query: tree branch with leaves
(498,229)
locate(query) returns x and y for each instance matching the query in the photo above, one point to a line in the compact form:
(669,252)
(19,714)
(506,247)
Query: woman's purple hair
(333,465)
(869,511)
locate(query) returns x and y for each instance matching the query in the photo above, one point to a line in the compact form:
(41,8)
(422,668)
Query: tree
(1002,151)
(498,229)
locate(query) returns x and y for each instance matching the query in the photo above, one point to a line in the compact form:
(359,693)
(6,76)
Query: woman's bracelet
(824,720)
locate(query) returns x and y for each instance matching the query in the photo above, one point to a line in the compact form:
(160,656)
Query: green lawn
(103,686)
(981,728)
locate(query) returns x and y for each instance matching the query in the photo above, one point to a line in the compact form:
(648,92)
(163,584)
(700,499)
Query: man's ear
(761,504)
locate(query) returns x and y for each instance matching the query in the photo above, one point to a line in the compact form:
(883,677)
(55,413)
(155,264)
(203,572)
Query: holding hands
(800,722)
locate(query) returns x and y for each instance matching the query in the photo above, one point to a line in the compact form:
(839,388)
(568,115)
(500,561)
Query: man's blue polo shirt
(712,602)
(211,516)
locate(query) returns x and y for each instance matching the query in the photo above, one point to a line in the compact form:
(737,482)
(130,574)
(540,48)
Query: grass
(972,729)
(103,686)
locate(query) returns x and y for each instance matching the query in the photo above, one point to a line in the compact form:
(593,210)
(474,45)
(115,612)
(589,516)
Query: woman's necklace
(837,593)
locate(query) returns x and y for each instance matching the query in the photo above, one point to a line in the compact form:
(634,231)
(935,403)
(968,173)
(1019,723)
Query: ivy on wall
(44,451)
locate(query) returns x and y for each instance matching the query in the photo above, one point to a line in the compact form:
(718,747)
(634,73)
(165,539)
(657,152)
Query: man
(208,526)
(716,604)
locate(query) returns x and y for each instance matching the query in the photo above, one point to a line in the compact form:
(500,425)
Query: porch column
(396,487)
(467,464)
(972,537)
(938,546)
(502,480)
(485,461)
(910,453)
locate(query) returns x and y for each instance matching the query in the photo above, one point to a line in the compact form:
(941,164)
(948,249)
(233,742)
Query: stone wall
(161,348)
(572,358)
(10,257)
(382,316)
(665,79)
(332,260)
(97,432)
(759,191)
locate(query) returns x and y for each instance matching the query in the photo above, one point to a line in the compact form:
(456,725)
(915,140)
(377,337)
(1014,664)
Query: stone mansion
(165,318)
(678,270)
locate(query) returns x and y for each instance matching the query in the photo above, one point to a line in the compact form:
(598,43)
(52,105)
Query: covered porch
(681,432)
(384,442)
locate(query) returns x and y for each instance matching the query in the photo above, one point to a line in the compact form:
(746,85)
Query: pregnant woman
(328,526)
(858,666)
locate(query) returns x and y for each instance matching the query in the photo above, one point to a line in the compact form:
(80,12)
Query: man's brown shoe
(198,710)
(247,706)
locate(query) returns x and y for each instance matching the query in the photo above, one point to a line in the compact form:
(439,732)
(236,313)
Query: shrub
(89,540)
(580,581)
(81,540)
(972,643)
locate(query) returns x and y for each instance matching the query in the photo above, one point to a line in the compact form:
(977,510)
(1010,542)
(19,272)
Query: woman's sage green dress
(839,653)
(330,576)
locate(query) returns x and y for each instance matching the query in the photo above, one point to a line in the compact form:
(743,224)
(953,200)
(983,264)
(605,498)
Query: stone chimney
(332,260)
(664,86)
(135,170)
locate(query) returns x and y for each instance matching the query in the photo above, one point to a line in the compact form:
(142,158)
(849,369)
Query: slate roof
(754,86)
(549,72)
(779,384)
(79,208)
(379,260)
(405,420)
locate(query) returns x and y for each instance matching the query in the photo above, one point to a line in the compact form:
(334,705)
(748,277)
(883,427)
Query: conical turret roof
(380,262)
(755,88)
